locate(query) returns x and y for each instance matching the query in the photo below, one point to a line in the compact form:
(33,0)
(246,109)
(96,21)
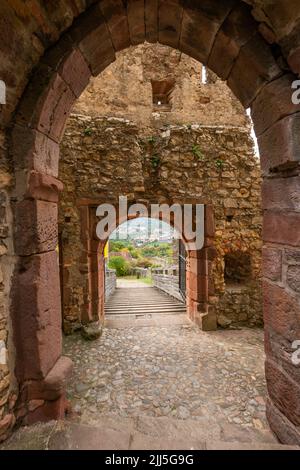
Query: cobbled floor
(175,371)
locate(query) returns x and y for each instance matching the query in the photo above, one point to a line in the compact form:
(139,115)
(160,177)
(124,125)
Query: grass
(144,280)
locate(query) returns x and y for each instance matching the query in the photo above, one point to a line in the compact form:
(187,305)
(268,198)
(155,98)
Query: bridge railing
(167,280)
(110,282)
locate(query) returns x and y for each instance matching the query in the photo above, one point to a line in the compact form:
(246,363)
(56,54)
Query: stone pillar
(36,307)
(96,264)
(86,311)
(92,267)
(277,125)
(200,285)
(281,271)
(41,371)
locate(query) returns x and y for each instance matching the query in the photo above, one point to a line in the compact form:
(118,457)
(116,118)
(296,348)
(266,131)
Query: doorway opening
(141,270)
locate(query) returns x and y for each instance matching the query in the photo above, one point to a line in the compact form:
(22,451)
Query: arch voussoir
(237,29)
(170,16)
(254,67)
(200,25)
(97,48)
(279,145)
(151,20)
(273,103)
(46,104)
(115,15)
(136,21)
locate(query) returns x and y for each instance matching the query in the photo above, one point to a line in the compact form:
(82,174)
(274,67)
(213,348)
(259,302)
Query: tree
(120,264)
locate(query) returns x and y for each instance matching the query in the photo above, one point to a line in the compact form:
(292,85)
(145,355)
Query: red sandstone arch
(199,282)
(225,36)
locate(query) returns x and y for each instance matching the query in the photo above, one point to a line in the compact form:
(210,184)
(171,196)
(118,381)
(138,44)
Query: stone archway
(225,36)
(198,280)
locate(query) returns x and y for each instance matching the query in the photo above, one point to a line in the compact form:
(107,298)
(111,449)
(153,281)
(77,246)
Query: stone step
(139,309)
(141,302)
(131,321)
(143,433)
(144,301)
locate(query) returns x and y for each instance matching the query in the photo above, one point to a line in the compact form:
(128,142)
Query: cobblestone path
(175,371)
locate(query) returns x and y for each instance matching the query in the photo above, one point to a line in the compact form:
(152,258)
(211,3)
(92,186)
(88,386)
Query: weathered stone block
(43,187)
(151,20)
(97,48)
(293,278)
(281,227)
(136,21)
(284,429)
(281,194)
(284,392)
(34,151)
(294,60)
(6,424)
(279,145)
(281,311)
(254,67)
(75,72)
(115,15)
(37,316)
(236,30)
(292,256)
(207,321)
(272,263)
(50,410)
(273,103)
(47,103)
(282,352)
(200,25)
(36,228)
(169,22)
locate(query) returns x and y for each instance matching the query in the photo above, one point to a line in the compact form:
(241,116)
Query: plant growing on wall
(151,139)
(155,161)
(197,152)
(88,131)
(220,163)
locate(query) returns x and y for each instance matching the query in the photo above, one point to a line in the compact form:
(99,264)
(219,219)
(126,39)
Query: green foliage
(118,245)
(135,253)
(147,256)
(159,250)
(152,139)
(197,152)
(219,163)
(121,265)
(155,161)
(88,131)
(143,263)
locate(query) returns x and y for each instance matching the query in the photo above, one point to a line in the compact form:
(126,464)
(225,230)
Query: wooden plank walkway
(150,301)
(143,306)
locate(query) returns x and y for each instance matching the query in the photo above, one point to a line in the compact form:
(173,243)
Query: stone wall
(7,386)
(124,90)
(103,158)
(260,72)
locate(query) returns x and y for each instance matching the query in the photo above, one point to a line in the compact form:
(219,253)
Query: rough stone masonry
(254,45)
(122,144)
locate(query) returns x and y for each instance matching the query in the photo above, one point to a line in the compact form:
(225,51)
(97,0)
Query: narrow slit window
(162,91)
